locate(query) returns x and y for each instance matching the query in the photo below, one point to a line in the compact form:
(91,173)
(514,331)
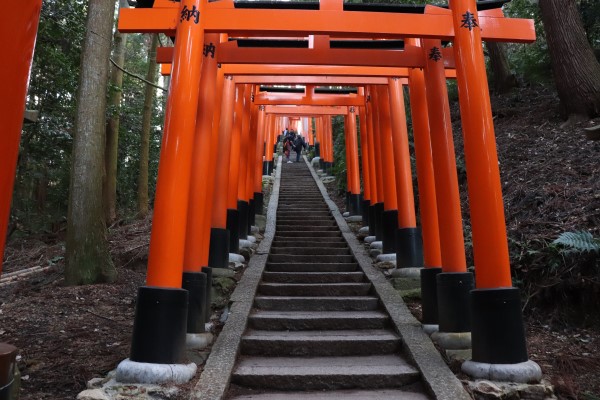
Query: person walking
(299,144)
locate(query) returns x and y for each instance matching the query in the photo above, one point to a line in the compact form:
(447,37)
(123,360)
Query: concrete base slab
(484,389)
(251,239)
(430,328)
(236,258)
(135,372)
(346,214)
(354,218)
(370,239)
(389,257)
(525,372)
(244,244)
(376,245)
(452,340)
(414,273)
(198,341)
(364,230)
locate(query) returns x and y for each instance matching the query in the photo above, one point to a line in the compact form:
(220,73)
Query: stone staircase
(316,330)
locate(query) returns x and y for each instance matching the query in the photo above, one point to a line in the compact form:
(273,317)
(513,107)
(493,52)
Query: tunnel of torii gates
(226,105)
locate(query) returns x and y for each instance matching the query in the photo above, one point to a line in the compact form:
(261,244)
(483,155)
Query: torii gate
(462,24)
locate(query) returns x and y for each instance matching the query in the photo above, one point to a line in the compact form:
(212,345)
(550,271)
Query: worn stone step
(314,289)
(317,320)
(299,243)
(307,222)
(310,250)
(303,214)
(317,303)
(313,277)
(280,228)
(382,394)
(324,373)
(310,258)
(320,343)
(311,267)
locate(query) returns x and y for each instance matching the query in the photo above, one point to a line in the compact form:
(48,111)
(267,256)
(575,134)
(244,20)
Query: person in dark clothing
(299,144)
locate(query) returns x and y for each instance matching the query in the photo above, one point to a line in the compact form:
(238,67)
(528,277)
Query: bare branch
(137,76)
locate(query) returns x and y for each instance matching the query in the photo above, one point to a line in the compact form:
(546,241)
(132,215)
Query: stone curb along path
(436,377)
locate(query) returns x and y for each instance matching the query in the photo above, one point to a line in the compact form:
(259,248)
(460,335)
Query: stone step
(313,277)
(306,243)
(324,373)
(320,343)
(280,228)
(305,221)
(317,320)
(311,258)
(317,303)
(304,214)
(310,250)
(382,394)
(314,289)
(311,267)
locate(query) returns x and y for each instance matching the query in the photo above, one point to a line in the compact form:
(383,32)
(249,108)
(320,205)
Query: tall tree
(142,190)
(87,254)
(575,68)
(503,78)
(112,124)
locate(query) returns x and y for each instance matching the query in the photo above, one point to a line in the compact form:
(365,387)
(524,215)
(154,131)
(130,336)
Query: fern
(578,241)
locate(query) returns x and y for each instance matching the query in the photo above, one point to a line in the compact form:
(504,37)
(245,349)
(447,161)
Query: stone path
(317,330)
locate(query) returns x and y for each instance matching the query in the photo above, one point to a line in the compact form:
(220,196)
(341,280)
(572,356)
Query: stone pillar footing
(452,340)
(198,341)
(430,328)
(524,372)
(139,372)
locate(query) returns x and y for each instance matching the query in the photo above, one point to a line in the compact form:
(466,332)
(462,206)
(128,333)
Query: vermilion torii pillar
(389,216)
(233,214)
(20,25)
(243,198)
(408,246)
(432,257)
(498,332)
(161,312)
(375,184)
(352,162)
(364,147)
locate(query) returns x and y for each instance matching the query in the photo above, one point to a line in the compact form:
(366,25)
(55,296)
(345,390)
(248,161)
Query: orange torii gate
(461,23)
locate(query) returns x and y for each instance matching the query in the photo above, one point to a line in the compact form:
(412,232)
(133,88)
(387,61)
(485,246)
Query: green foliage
(580,241)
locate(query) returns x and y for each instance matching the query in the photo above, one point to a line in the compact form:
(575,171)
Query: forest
(88,163)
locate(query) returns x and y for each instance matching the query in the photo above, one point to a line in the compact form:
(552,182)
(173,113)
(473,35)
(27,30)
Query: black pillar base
(159,326)
(271,167)
(379,221)
(389,223)
(265,168)
(208,272)
(258,204)
(243,209)
(251,215)
(409,248)
(233,226)
(321,164)
(429,300)
(372,219)
(317,149)
(454,301)
(366,205)
(218,250)
(195,284)
(355,204)
(498,334)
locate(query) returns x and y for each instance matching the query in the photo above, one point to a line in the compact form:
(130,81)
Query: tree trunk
(504,79)
(575,68)
(87,253)
(142,190)
(112,125)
